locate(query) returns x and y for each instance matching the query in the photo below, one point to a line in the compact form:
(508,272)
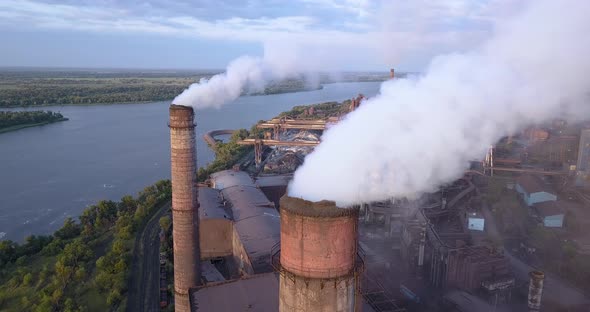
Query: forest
(12,120)
(83,266)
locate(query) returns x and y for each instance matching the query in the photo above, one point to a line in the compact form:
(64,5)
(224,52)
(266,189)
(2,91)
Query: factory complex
(241,243)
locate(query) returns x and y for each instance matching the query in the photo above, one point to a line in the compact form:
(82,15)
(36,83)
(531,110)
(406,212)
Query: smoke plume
(247,74)
(420,133)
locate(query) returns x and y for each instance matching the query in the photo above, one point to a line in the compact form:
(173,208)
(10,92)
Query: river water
(52,172)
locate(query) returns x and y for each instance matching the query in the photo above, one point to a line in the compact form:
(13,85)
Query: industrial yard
(478,244)
(295,156)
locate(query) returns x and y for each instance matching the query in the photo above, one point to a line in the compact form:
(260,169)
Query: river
(52,172)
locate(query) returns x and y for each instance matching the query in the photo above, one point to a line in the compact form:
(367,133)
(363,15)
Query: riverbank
(273,92)
(23,126)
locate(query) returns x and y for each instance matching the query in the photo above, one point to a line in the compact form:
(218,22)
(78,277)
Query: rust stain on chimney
(185,217)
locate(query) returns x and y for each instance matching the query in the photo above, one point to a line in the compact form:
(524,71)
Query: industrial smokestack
(318,257)
(391,73)
(535,290)
(185,217)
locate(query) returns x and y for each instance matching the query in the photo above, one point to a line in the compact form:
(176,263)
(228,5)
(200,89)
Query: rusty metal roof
(257,293)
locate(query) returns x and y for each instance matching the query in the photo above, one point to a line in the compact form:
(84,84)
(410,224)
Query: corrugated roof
(533,184)
(228,178)
(255,218)
(257,293)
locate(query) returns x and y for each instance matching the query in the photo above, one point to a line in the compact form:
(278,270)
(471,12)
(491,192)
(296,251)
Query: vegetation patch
(10,121)
(84,266)
(226,154)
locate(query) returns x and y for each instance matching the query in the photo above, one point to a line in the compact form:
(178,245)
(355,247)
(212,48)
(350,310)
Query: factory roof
(255,218)
(228,178)
(274,180)
(211,205)
(551,208)
(533,184)
(256,293)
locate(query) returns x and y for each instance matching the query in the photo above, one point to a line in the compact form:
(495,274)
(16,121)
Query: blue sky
(329,34)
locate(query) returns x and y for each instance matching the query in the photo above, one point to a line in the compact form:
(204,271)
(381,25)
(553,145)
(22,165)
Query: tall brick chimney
(185,216)
(391,73)
(318,257)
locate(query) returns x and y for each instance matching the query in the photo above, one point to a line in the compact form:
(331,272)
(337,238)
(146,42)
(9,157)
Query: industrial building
(475,221)
(534,190)
(559,151)
(550,213)
(241,244)
(236,245)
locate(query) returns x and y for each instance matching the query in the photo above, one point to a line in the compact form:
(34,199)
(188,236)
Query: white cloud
(361,8)
(389,30)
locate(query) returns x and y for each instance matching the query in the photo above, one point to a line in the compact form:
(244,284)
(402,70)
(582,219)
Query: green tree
(114,297)
(127,204)
(69,230)
(165,222)
(7,252)
(27,279)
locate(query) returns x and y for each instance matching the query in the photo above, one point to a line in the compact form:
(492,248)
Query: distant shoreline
(23,126)
(23,89)
(170,100)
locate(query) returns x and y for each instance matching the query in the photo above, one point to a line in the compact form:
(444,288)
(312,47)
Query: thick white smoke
(247,74)
(224,87)
(420,133)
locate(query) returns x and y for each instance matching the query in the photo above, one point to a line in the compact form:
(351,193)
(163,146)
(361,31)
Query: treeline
(130,91)
(11,119)
(29,75)
(71,94)
(289,85)
(83,266)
